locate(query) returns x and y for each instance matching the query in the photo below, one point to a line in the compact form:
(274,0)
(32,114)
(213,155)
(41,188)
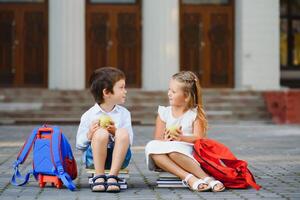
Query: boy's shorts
(89,161)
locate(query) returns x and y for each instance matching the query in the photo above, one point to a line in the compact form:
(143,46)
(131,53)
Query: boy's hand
(111,128)
(93,128)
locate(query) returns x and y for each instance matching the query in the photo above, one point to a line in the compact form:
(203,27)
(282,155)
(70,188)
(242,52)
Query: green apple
(105,121)
(172,129)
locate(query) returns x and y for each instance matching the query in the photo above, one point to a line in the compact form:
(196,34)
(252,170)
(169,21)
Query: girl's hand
(93,128)
(166,135)
(176,136)
(112,128)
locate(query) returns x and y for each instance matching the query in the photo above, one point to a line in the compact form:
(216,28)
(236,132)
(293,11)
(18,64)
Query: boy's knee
(122,134)
(101,134)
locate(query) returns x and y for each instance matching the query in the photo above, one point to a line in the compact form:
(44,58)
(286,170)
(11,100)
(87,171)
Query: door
(206,41)
(23,43)
(113,37)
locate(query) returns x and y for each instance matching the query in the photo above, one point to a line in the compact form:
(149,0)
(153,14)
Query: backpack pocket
(42,162)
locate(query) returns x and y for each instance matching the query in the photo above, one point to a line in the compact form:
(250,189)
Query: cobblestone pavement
(273,154)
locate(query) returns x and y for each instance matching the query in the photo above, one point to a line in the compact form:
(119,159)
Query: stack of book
(123,175)
(166,179)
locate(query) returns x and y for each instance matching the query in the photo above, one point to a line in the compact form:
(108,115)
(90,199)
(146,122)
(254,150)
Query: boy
(106,147)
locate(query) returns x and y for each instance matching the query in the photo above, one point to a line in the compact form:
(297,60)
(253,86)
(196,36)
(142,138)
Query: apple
(105,121)
(172,129)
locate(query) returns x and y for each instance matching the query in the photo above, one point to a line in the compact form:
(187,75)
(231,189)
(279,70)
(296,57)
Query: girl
(172,150)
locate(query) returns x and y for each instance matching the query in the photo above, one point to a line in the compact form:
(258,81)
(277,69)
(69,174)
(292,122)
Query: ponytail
(200,111)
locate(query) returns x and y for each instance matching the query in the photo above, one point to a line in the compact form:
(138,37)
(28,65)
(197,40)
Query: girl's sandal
(95,185)
(213,183)
(196,184)
(117,184)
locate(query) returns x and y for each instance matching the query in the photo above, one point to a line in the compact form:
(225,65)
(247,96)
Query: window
(205,1)
(290,34)
(22,1)
(296,43)
(114,1)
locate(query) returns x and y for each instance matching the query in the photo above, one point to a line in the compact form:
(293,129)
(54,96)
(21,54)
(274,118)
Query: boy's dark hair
(104,78)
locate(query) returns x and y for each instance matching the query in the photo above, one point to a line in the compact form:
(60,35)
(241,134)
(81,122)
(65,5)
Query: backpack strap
(21,158)
(57,159)
(251,181)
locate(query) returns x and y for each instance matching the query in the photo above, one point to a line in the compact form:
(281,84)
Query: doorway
(23,43)
(113,37)
(206,41)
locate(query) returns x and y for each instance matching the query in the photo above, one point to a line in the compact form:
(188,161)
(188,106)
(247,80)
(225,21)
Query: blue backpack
(53,160)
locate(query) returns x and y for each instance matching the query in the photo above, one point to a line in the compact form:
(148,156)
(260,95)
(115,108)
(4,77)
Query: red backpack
(218,161)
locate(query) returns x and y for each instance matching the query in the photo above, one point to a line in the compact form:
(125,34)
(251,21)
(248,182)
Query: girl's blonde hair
(192,89)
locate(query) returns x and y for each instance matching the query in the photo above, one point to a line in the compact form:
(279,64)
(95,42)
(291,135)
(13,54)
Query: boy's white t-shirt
(120,115)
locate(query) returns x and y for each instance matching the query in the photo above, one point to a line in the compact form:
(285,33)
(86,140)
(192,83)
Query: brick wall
(284,106)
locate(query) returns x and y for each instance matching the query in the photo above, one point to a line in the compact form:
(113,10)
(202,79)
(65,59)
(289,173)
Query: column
(160,43)
(257,44)
(66,44)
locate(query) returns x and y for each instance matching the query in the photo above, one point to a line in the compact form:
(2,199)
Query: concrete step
(39,94)
(137,117)
(34,105)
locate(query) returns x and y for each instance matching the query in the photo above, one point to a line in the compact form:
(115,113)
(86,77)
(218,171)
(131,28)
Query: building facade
(56,44)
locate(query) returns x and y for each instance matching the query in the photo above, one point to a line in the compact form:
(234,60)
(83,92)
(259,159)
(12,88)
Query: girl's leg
(188,164)
(164,162)
(191,166)
(99,148)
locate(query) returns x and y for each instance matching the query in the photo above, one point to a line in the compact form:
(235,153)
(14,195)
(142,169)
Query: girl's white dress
(164,147)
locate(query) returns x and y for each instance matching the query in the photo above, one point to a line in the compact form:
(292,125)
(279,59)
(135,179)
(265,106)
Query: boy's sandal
(213,183)
(95,184)
(196,184)
(117,184)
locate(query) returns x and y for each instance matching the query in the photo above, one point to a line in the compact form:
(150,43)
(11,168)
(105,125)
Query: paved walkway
(272,152)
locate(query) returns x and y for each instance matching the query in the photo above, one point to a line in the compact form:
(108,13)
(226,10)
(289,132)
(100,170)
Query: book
(124,173)
(92,171)
(169,178)
(122,182)
(169,181)
(171,186)
(167,175)
(174,184)
(172,181)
